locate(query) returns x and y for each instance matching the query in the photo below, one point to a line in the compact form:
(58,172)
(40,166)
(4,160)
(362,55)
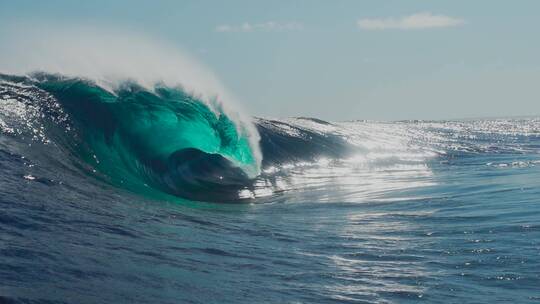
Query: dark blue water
(435,212)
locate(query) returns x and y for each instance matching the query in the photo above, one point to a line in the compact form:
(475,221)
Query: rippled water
(442,212)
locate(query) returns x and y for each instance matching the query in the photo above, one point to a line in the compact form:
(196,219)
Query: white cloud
(269,26)
(412,22)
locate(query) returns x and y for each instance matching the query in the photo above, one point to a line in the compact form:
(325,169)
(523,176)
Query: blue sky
(339,60)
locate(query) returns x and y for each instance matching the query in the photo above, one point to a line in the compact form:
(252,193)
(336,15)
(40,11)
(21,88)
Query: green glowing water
(130,136)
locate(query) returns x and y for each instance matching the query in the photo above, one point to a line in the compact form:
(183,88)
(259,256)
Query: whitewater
(146,183)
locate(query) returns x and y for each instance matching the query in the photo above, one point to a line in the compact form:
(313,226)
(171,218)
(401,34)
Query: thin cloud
(269,26)
(413,22)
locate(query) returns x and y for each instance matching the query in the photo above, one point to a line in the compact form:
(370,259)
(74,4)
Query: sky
(335,60)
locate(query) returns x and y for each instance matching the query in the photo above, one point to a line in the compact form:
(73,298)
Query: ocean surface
(137,195)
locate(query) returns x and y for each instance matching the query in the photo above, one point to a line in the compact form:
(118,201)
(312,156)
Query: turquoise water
(139,196)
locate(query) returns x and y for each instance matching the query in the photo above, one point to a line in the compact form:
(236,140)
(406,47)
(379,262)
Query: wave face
(164,141)
(159,141)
